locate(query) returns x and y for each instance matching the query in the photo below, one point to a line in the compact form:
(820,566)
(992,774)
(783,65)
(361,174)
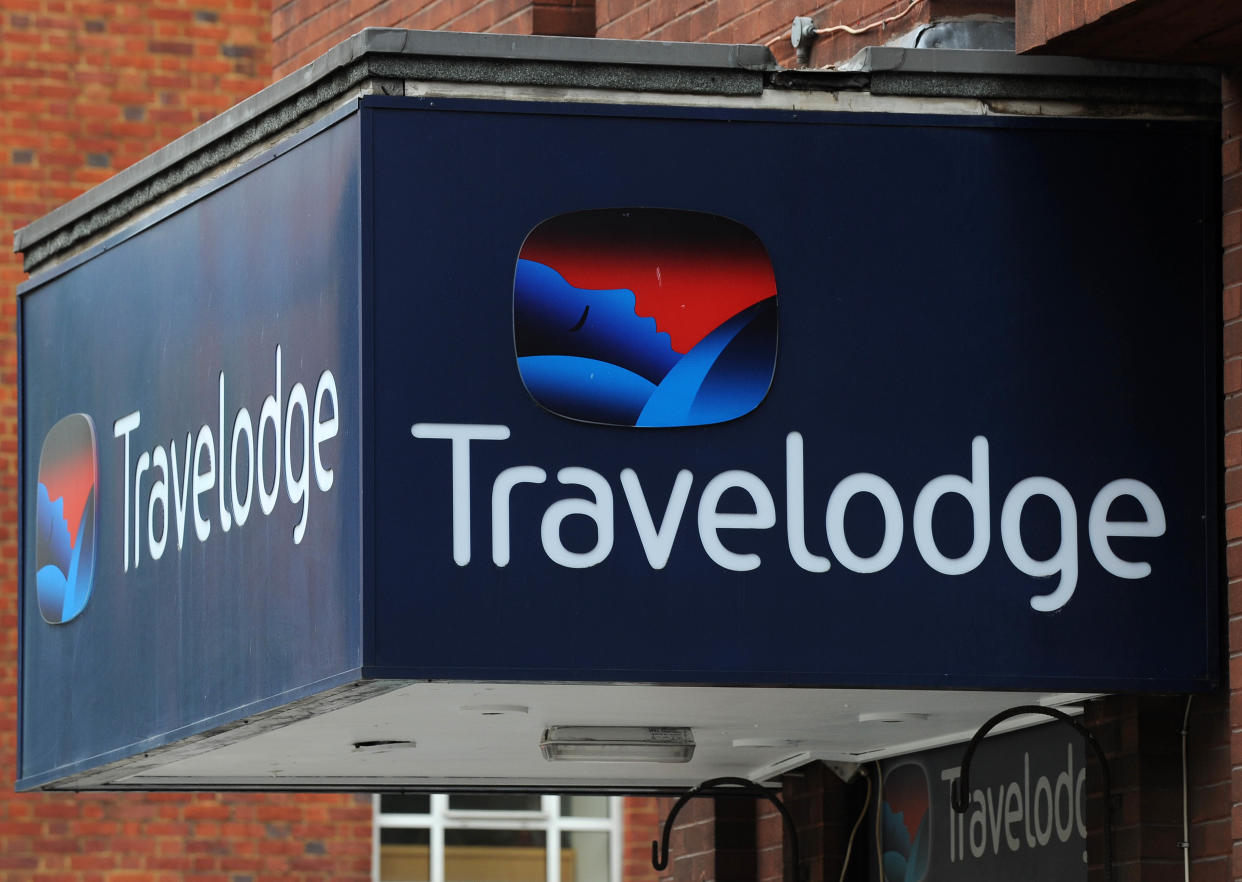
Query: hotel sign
(413,400)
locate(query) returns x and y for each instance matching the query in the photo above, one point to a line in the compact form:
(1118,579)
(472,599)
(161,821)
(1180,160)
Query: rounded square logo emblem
(65,517)
(645,317)
(906,847)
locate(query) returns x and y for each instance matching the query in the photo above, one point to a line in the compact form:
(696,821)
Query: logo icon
(65,517)
(906,824)
(645,317)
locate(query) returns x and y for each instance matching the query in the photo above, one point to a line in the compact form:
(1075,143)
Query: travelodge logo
(173,491)
(645,317)
(65,514)
(663,318)
(906,837)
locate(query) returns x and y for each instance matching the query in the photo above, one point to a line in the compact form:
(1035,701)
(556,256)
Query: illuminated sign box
(1037,777)
(375,408)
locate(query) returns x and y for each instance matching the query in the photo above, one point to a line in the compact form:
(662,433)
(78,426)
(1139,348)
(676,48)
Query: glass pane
(587,855)
(405,803)
(584,806)
(405,855)
(493,802)
(403,836)
(495,856)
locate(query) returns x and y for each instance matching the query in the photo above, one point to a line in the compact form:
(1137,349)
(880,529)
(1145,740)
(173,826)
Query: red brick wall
(713,840)
(1155,30)
(304,29)
(1142,737)
(87,88)
(1231,224)
(1042,20)
(743,839)
(160,837)
(714,21)
(643,819)
(1211,788)
(770,841)
(825,808)
(1231,227)
(769,22)
(692,843)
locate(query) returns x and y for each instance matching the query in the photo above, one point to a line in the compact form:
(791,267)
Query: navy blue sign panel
(190,435)
(1025,819)
(514,392)
(708,397)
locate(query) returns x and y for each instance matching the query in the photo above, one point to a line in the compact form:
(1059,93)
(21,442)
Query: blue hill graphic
(904,861)
(586,355)
(63,569)
(546,309)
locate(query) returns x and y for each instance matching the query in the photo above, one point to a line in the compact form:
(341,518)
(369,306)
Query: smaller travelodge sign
(1026,819)
(624,420)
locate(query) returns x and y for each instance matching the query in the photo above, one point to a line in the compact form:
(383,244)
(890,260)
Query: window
(497,838)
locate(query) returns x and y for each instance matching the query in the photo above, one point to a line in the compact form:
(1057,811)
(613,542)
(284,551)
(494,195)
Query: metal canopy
(326,317)
(485,736)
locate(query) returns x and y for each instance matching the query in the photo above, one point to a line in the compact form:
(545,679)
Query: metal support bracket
(802,35)
(727,787)
(960,794)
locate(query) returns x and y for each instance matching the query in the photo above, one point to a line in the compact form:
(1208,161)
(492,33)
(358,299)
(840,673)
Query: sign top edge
(704,69)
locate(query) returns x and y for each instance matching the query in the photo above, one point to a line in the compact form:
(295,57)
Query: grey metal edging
(387,58)
(562,50)
(237,724)
(383,53)
(977,73)
(990,62)
(182,199)
(207,147)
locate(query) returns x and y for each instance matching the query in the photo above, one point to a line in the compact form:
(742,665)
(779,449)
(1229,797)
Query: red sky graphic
(71,478)
(689,271)
(906,792)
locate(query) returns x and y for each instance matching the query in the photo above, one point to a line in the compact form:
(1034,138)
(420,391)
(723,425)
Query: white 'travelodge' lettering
(1018,814)
(658,543)
(712,520)
(204,463)
(122,429)
(461,434)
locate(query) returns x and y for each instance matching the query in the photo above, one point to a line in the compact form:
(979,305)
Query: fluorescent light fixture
(618,744)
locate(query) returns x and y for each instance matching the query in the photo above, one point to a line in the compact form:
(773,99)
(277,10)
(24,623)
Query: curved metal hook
(725,787)
(959,796)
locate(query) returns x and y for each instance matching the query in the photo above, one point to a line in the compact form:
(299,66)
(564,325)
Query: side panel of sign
(191,471)
(704,399)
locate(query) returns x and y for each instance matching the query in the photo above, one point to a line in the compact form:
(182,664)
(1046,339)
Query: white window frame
(547,818)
